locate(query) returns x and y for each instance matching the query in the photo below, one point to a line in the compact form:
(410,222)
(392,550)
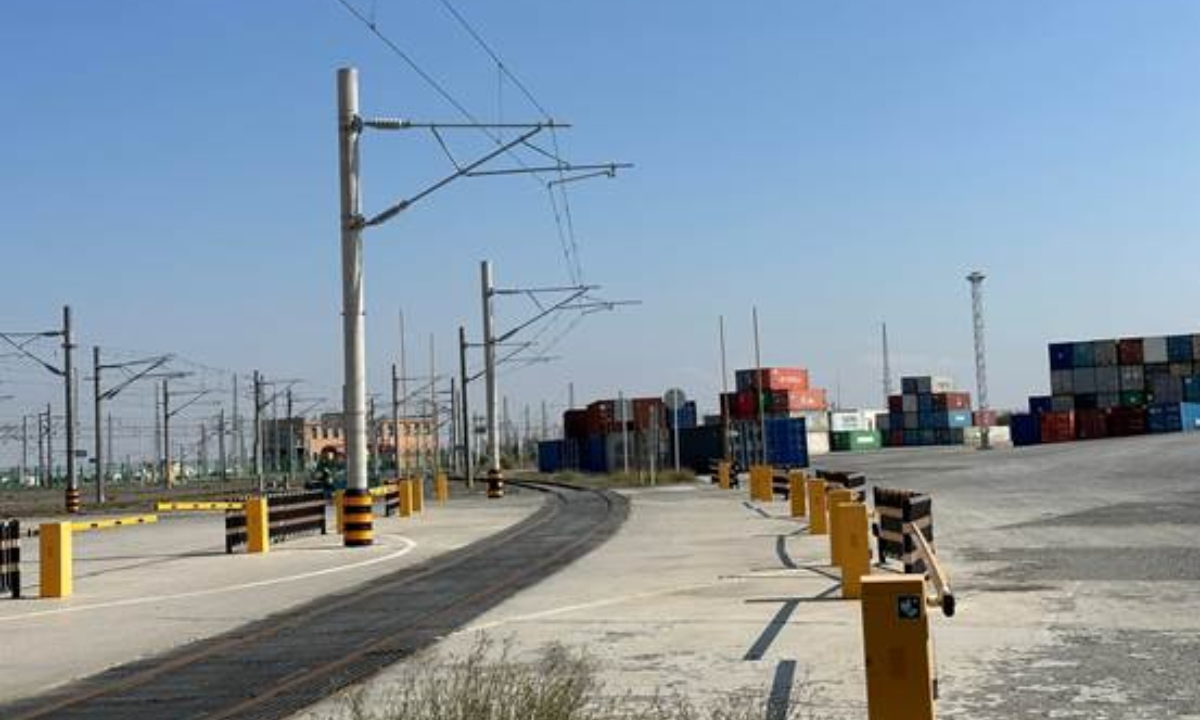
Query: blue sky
(169,169)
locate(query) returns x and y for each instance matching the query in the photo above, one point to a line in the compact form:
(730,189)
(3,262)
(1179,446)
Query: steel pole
(99,455)
(221,458)
(72,495)
(726,429)
(416,438)
(354,391)
(469,466)
(495,474)
(762,416)
(166,432)
(396,421)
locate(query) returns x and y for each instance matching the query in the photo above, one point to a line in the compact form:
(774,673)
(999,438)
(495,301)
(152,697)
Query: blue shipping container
(1179,348)
(594,455)
(1025,429)
(550,454)
(688,417)
(787,442)
(1191,389)
(1084,355)
(925,403)
(1040,404)
(1173,417)
(1062,356)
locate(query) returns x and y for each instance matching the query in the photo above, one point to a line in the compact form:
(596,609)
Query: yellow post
(258,525)
(54,543)
(441,488)
(818,524)
(900,678)
(723,474)
(833,498)
(406,497)
(338,511)
(418,485)
(796,493)
(851,521)
(760,483)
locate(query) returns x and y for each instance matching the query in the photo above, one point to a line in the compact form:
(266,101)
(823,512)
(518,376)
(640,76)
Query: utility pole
(396,420)
(69,392)
(239,441)
(623,415)
(221,458)
(887,368)
(404,396)
(976,279)
(166,432)
(43,480)
(99,451)
(291,444)
(435,459)
(202,452)
(258,438)
(468,463)
(725,428)
(571,396)
(108,425)
(454,457)
(762,417)
(359,530)
(24,448)
(495,476)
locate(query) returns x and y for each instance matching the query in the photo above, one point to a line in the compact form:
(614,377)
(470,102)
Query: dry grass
(486,684)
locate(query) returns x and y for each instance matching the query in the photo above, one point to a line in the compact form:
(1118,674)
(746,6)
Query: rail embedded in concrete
(276,667)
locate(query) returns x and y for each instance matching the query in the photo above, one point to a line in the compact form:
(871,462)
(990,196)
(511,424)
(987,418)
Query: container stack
(786,399)
(929,411)
(854,431)
(1115,388)
(594,438)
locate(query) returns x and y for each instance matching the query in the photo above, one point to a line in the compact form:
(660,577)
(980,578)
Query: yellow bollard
(900,679)
(338,510)
(796,493)
(258,525)
(723,472)
(760,483)
(441,488)
(851,521)
(418,485)
(833,498)
(406,497)
(54,543)
(818,524)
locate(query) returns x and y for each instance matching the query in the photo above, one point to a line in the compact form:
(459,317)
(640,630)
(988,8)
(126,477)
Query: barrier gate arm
(113,523)
(943,596)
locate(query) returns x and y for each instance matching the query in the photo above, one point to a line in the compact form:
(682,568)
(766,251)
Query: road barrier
(851,527)
(818,523)
(10,558)
(55,544)
(760,483)
(835,496)
(899,512)
(198,506)
(283,516)
(797,496)
(724,474)
(418,494)
(844,479)
(901,684)
(441,488)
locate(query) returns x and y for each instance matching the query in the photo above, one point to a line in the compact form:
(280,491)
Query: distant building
(309,439)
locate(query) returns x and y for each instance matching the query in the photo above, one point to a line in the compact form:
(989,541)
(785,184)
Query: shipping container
(1166,390)
(910,404)
(1058,427)
(1133,398)
(814,420)
(979,418)
(593,455)
(1196,347)
(883,422)
(1085,356)
(1062,356)
(1040,404)
(1104,352)
(1127,421)
(575,424)
(687,415)
(1108,379)
(1191,389)
(895,438)
(777,378)
(1026,429)
(925,403)
(787,442)
(852,420)
(1129,351)
(895,403)
(908,386)
(952,401)
(854,440)
(1086,401)
(700,446)
(550,456)
(1062,403)
(1154,350)
(1181,369)
(997,435)
(1084,379)
(1062,382)
(1173,417)
(818,443)
(1179,349)
(949,419)
(1106,401)
(1132,377)
(1091,424)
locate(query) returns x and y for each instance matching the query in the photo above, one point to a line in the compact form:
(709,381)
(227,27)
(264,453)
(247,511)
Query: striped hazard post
(72,501)
(356,517)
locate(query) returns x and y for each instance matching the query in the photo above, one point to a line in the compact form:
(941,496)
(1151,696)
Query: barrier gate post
(833,499)
(258,525)
(796,493)
(54,544)
(900,682)
(406,498)
(818,524)
(723,470)
(853,524)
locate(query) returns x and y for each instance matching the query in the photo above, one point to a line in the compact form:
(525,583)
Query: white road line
(589,606)
(408,546)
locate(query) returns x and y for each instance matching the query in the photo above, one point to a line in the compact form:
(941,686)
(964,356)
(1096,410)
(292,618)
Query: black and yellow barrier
(357,519)
(10,558)
(851,526)
(55,545)
(198,506)
(897,511)
(72,501)
(287,515)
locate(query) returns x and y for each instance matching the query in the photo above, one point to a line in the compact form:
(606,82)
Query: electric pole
(976,279)
(725,428)
(468,463)
(69,384)
(762,417)
(396,420)
(887,368)
(495,476)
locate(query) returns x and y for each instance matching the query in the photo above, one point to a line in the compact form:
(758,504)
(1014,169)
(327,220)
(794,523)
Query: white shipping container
(1084,380)
(997,435)
(1062,382)
(1154,350)
(818,443)
(852,420)
(814,420)
(941,384)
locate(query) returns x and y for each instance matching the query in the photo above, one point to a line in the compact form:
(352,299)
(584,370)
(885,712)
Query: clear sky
(169,169)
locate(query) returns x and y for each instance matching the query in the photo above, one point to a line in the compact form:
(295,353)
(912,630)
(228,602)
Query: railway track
(276,667)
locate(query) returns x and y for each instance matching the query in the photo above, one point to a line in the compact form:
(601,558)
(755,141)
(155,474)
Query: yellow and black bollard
(900,678)
(72,500)
(495,483)
(818,523)
(356,513)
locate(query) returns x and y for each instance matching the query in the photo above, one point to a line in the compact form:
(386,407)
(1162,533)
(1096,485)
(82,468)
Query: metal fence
(290,514)
(10,557)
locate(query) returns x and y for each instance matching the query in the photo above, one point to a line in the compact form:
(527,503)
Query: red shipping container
(1091,424)
(952,401)
(745,404)
(772,378)
(896,403)
(1127,421)
(1131,351)
(896,438)
(1058,427)
(575,424)
(811,399)
(643,408)
(979,418)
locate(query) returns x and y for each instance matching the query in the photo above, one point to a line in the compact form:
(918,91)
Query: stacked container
(927,412)
(782,393)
